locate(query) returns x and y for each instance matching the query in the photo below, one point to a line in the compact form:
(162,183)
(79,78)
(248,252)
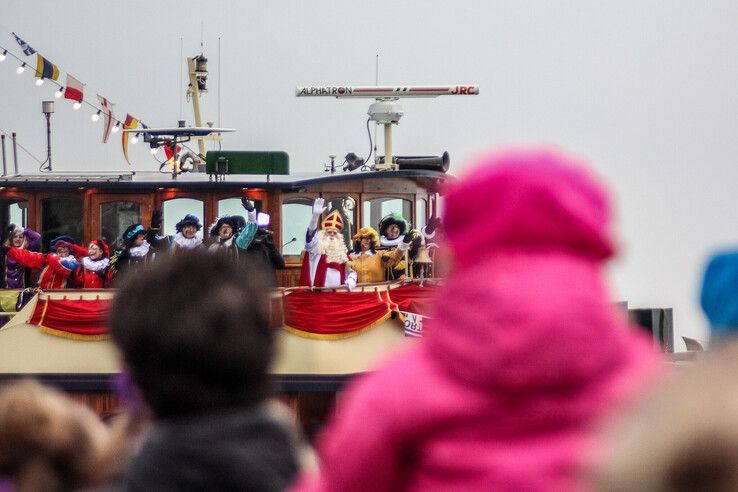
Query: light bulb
(154,150)
(59,92)
(39,82)
(134,139)
(95,116)
(115,128)
(3,55)
(77,105)
(21,69)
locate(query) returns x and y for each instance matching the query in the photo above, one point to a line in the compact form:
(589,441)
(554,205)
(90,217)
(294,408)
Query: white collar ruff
(391,242)
(184,243)
(140,251)
(95,265)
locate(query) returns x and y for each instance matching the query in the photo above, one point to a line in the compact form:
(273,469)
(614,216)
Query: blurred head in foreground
(47,441)
(196,340)
(683,438)
(194,333)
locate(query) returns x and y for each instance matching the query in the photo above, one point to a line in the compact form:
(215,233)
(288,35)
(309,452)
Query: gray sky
(646,90)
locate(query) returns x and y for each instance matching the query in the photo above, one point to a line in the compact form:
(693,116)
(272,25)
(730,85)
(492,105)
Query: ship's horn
(430,162)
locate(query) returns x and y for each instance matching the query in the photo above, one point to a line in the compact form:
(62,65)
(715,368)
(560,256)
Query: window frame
(62,195)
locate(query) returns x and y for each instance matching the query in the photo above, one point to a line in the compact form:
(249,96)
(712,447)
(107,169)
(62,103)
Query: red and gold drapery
(334,315)
(322,315)
(414,298)
(80,319)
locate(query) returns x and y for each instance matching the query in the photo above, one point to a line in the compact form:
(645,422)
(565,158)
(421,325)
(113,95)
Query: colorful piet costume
(95,272)
(241,233)
(397,272)
(326,254)
(179,242)
(15,275)
(58,271)
(370,265)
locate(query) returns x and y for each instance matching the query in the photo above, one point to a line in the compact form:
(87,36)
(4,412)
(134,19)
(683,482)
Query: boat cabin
(92,206)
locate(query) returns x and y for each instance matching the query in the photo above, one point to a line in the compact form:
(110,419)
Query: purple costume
(15,273)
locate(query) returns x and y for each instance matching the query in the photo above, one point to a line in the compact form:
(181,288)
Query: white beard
(334,248)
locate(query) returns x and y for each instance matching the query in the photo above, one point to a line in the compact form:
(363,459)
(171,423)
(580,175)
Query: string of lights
(96,110)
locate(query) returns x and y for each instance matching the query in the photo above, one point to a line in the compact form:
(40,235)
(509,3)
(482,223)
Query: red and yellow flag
(130,122)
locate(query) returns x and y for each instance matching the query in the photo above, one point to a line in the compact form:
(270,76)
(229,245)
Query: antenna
(181,72)
(376,82)
(386,110)
(219,65)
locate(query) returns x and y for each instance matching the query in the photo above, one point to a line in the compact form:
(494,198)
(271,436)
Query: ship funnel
(430,162)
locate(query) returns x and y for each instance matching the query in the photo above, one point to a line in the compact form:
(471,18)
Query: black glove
(433,223)
(408,238)
(156,219)
(247,204)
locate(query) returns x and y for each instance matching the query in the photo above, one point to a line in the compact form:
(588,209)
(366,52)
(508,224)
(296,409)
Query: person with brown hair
(200,367)
(49,442)
(684,437)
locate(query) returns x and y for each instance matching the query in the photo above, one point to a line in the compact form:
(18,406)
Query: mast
(197,68)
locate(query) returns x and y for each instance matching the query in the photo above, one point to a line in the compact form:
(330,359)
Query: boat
(87,206)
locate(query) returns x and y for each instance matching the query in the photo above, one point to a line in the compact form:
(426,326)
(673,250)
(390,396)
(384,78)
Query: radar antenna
(386,110)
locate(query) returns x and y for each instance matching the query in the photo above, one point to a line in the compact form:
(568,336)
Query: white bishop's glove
(351,279)
(318,210)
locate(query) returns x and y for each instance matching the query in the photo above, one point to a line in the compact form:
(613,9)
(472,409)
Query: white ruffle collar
(185,243)
(95,265)
(140,251)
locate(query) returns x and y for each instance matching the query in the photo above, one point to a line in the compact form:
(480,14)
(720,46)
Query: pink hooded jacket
(524,357)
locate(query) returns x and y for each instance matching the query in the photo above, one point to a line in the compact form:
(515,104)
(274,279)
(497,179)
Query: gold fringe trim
(336,336)
(74,336)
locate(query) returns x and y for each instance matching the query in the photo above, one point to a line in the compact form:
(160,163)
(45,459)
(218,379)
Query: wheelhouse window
(296,214)
(232,206)
(421,219)
(115,217)
(13,212)
(61,217)
(346,207)
(377,208)
(175,209)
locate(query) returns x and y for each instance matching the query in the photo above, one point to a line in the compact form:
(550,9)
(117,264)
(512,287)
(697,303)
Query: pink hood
(526,309)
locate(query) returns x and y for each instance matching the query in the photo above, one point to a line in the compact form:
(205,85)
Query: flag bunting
(45,69)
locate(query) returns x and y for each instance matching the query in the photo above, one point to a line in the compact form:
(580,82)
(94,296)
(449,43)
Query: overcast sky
(646,90)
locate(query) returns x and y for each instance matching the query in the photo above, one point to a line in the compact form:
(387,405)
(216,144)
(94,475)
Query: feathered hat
(333,221)
(366,232)
(60,241)
(226,219)
(188,219)
(129,235)
(393,218)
